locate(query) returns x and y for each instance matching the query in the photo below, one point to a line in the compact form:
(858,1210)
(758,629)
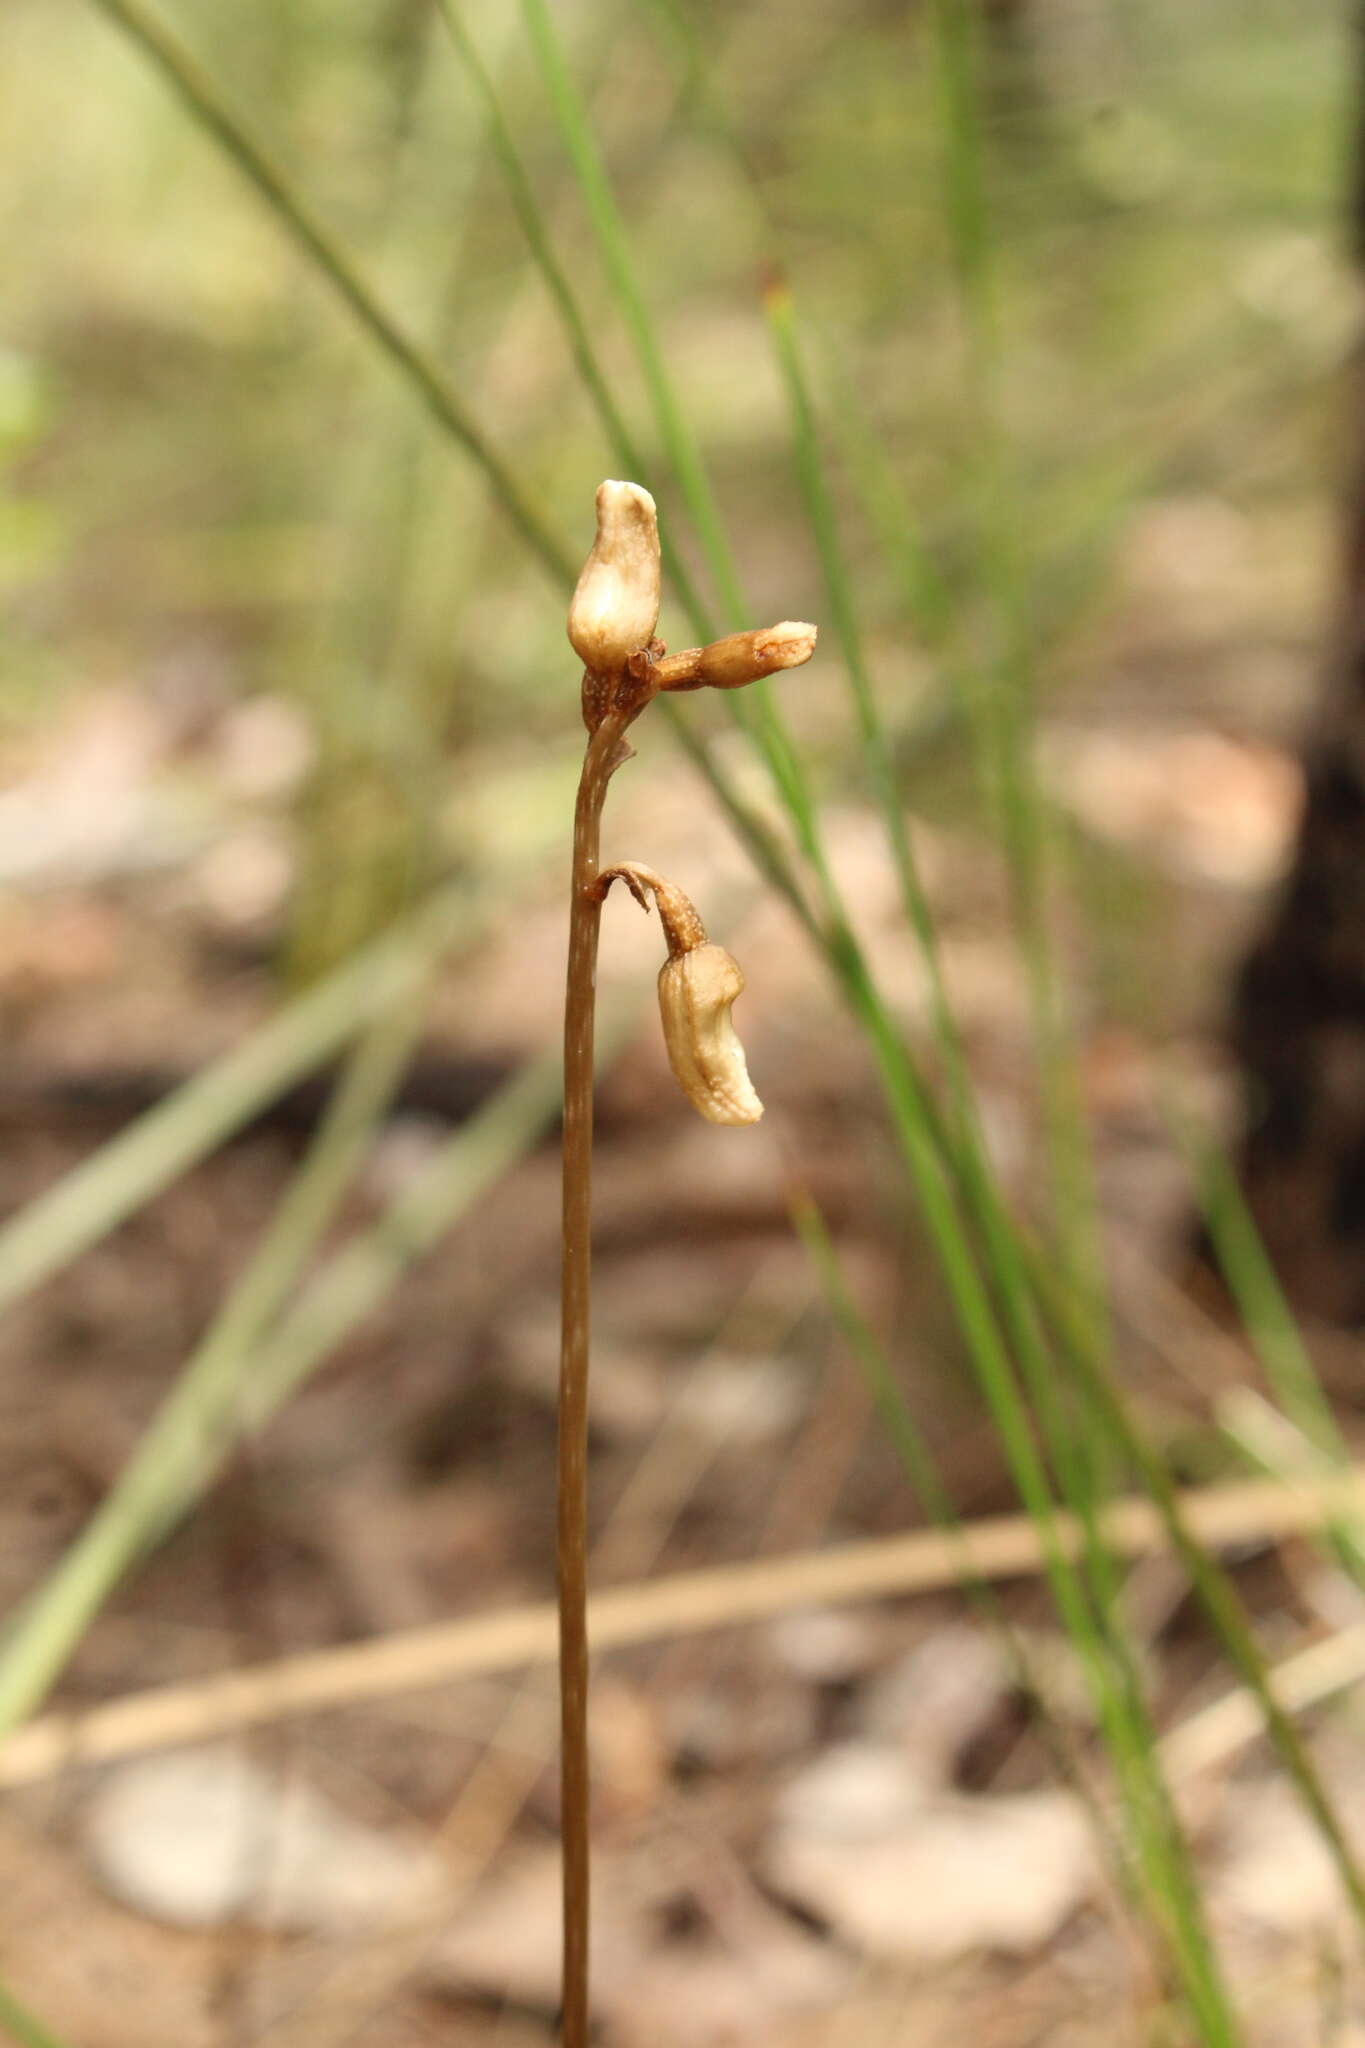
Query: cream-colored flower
(615,607)
(697,985)
(695,993)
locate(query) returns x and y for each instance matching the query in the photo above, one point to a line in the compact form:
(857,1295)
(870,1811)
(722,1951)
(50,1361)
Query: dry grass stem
(726,1596)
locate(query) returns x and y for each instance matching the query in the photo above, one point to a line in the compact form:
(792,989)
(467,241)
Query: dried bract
(615,607)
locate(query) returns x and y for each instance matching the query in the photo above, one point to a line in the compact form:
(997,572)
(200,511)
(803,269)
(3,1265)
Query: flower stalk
(611,626)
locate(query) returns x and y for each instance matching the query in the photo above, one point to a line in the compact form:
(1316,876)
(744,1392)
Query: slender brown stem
(605,753)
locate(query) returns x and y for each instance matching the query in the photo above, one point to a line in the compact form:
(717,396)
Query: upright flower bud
(616,605)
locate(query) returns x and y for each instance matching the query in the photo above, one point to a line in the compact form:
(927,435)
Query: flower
(615,607)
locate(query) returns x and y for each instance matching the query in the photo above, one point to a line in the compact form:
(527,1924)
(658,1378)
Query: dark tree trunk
(1299,1007)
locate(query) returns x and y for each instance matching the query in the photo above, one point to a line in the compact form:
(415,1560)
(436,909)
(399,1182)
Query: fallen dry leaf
(937,1699)
(205,1837)
(906,1873)
(1274,1869)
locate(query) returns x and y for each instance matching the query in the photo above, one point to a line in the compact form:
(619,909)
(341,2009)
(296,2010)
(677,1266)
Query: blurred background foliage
(205,467)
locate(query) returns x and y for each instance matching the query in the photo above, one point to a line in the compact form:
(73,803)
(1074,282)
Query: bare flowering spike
(616,605)
(698,983)
(611,625)
(739,658)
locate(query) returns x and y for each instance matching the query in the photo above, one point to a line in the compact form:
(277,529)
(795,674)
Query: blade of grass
(197,1411)
(1255,1287)
(819,506)
(360,1276)
(978,1184)
(1002,716)
(1158,1840)
(916,1129)
(196,1427)
(680,442)
(820,512)
(25,2027)
(1265,1438)
(1161,1844)
(1269,1321)
(199,93)
(1215,1590)
(135,1166)
(540,242)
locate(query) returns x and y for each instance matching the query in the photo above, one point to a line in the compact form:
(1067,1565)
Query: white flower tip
(616,499)
(788,644)
(616,605)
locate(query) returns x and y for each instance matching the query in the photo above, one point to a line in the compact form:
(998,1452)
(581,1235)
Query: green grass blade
(753,710)
(1304,1409)
(25,2027)
(762,846)
(965,202)
(977,1181)
(199,93)
(243,1373)
(839,592)
(1255,1287)
(540,242)
(1215,1590)
(1000,702)
(364,1271)
(197,1412)
(1158,1841)
(1072,1452)
(135,1166)
(680,442)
